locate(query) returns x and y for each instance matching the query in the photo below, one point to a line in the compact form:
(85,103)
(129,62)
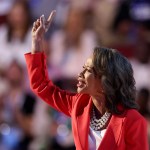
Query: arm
(38,75)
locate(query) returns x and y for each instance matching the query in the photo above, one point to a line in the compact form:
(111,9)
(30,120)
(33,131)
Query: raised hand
(40,26)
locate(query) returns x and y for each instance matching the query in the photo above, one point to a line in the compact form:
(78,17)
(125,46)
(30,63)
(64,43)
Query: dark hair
(117,79)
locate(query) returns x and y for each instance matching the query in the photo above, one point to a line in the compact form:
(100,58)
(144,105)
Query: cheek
(94,84)
(91,81)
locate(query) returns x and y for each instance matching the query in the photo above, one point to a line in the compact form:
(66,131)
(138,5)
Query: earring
(102,91)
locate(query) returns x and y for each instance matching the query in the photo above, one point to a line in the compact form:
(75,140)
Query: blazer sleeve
(136,134)
(43,87)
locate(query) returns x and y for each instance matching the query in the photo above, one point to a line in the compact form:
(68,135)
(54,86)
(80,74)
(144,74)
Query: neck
(99,103)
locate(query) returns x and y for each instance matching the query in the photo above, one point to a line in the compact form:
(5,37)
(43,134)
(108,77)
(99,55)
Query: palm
(38,32)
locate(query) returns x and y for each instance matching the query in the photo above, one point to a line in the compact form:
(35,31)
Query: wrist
(36,46)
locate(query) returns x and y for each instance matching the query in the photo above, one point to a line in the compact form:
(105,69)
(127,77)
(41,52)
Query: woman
(103,112)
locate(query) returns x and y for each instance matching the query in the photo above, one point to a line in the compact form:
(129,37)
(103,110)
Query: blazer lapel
(83,121)
(113,133)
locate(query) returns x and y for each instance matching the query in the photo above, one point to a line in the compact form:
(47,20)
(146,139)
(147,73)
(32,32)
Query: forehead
(89,62)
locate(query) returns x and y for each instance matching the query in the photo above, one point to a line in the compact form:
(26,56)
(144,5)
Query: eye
(87,69)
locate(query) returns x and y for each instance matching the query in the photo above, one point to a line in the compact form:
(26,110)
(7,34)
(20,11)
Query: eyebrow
(88,67)
(94,71)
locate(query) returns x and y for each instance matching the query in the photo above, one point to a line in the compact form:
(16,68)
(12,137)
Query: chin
(81,91)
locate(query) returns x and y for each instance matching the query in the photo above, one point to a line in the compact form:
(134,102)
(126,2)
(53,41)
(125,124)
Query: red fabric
(124,132)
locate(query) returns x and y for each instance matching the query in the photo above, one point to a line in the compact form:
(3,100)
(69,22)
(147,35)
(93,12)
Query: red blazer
(124,132)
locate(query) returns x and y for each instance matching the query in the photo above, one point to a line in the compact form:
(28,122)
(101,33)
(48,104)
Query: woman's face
(88,82)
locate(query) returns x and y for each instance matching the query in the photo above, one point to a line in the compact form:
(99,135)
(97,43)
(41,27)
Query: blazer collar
(112,135)
(83,122)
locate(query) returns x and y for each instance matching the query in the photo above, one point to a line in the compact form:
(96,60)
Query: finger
(49,20)
(37,23)
(42,21)
(34,27)
(51,16)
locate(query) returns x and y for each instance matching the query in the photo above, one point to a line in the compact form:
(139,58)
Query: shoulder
(135,128)
(133,116)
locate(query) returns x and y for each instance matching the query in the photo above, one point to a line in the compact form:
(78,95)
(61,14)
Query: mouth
(80,83)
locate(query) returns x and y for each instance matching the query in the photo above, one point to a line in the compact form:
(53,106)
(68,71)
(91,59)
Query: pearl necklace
(97,124)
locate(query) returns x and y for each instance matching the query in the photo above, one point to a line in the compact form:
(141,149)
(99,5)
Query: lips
(80,83)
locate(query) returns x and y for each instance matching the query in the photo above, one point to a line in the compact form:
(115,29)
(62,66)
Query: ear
(101,91)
